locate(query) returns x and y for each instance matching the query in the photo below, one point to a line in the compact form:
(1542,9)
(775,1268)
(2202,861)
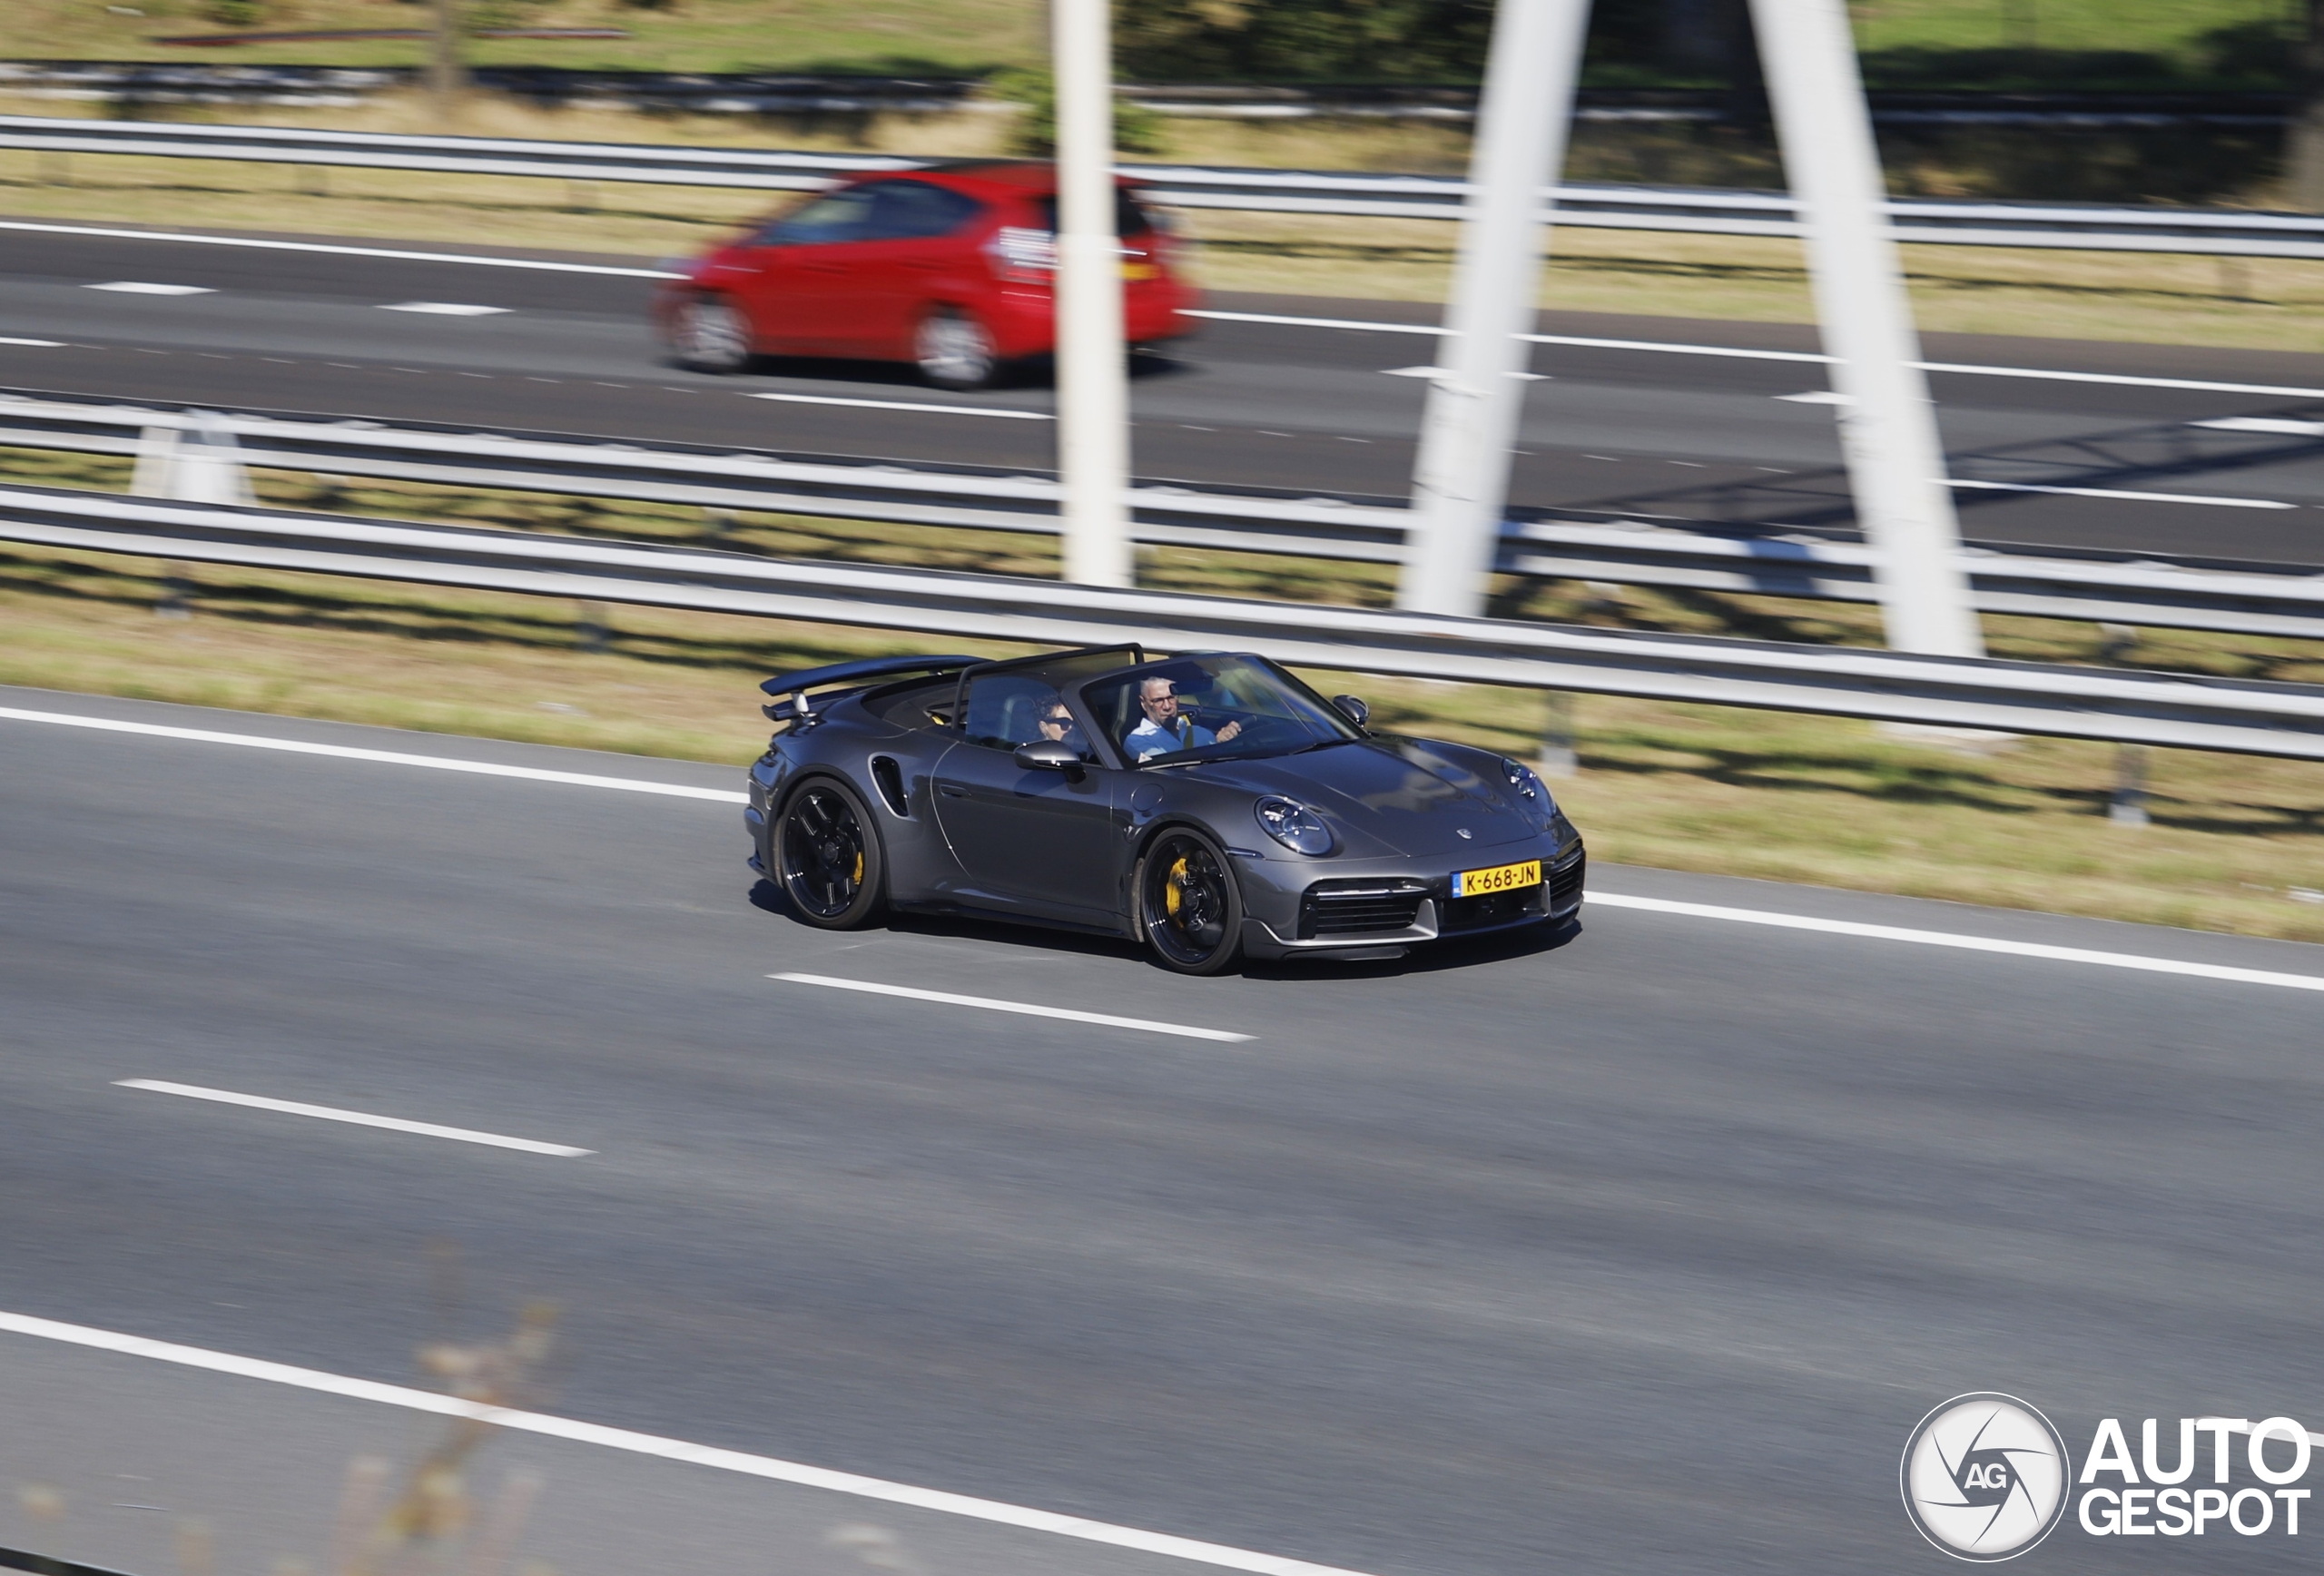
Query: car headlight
(1533,794)
(1294,825)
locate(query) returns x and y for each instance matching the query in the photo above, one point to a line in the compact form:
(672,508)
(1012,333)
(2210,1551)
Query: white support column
(1092,362)
(1461,478)
(1889,434)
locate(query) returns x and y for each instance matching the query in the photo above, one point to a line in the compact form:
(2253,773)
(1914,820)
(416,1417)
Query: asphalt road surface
(1696,434)
(1643,1251)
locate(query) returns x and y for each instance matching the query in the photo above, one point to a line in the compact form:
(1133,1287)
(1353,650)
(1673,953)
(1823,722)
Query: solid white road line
(1738,353)
(906,405)
(2137,498)
(664,1449)
(1962,943)
(253,244)
(359,1118)
(378,757)
(139,287)
(2275,424)
(445,309)
(1103,1019)
(1817,397)
(37,344)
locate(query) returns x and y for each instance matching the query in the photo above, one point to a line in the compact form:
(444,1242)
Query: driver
(1164,729)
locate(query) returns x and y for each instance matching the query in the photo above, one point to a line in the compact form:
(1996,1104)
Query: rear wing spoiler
(867,671)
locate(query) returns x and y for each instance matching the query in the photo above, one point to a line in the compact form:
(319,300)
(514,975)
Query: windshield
(1212,708)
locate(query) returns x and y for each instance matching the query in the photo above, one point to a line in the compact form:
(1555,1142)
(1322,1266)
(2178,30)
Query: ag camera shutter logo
(1985,1477)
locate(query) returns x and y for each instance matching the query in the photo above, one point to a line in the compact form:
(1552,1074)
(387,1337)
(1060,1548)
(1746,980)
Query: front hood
(1387,796)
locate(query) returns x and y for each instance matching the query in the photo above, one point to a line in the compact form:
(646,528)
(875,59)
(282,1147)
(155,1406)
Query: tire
(827,858)
(953,350)
(1188,908)
(712,335)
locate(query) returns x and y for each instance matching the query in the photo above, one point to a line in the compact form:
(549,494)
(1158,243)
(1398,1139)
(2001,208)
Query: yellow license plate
(1136,271)
(1501,878)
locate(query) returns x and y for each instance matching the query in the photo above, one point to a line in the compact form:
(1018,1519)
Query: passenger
(1058,727)
(1164,729)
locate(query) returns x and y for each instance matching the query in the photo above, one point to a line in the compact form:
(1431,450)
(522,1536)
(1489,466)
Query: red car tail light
(1022,256)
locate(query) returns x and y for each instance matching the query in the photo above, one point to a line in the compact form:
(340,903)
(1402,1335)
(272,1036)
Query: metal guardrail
(2253,600)
(2064,226)
(2123,706)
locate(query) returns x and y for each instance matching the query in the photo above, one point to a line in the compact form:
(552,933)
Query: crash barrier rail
(2066,226)
(2110,704)
(2248,600)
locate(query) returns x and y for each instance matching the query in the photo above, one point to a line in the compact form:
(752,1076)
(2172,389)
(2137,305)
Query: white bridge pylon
(1887,423)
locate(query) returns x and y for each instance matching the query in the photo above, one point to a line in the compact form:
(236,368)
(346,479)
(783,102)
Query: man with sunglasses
(1165,728)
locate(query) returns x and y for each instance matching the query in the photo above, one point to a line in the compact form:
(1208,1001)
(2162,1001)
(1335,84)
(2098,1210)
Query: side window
(914,210)
(1130,217)
(1004,710)
(841,216)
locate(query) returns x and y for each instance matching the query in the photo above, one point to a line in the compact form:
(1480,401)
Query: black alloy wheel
(827,860)
(1187,904)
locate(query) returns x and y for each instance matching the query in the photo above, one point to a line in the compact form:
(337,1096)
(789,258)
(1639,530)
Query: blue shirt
(1151,738)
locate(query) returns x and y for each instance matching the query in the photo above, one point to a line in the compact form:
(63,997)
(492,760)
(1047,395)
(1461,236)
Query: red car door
(916,254)
(805,298)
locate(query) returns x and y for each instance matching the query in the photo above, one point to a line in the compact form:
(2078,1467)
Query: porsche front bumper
(1386,906)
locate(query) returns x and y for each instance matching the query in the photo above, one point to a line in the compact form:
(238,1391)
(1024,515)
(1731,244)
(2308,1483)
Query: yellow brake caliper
(859,867)
(1174,887)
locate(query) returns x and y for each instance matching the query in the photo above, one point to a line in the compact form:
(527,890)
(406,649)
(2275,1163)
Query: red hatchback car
(948,267)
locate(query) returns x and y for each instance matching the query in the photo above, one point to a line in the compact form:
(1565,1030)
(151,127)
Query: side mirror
(1354,710)
(1047,755)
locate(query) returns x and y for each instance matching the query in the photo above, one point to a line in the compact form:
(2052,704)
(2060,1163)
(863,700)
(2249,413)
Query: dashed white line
(664,1449)
(355,1118)
(1964,944)
(378,757)
(906,404)
(1817,397)
(2135,497)
(253,244)
(445,309)
(1029,1009)
(143,286)
(35,344)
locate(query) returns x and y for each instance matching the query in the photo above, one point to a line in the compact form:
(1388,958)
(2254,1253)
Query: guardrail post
(1558,756)
(1888,434)
(1461,478)
(1092,362)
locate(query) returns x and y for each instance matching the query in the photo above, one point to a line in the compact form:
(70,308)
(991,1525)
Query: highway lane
(1646,1248)
(1608,432)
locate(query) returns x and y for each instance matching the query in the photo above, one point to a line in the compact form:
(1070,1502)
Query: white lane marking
(381,757)
(37,344)
(1817,397)
(444,308)
(1733,352)
(665,1449)
(140,287)
(2275,424)
(1964,944)
(906,404)
(311,246)
(359,1118)
(2136,497)
(946,998)
(1439,373)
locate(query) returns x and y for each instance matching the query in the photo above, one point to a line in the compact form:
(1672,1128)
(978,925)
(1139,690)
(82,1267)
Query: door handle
(950,792)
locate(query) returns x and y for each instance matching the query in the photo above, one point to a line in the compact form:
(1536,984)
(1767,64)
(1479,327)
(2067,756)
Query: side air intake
(889,779)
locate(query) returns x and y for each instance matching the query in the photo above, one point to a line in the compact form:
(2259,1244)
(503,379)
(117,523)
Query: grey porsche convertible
(1209,805)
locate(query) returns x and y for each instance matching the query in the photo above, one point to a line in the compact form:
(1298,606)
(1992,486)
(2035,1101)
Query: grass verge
(2237,844)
